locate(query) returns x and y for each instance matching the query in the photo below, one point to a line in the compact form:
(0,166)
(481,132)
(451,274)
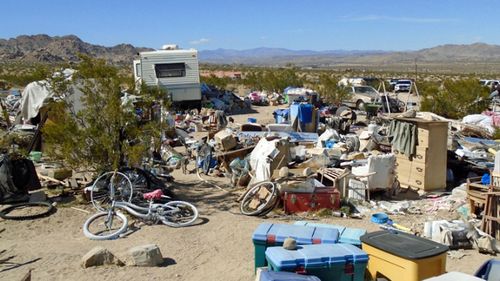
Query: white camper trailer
(173,69)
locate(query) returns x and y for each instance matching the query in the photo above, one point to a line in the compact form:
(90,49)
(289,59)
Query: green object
(372,108)
(342,262)
(35,156)
(268,235)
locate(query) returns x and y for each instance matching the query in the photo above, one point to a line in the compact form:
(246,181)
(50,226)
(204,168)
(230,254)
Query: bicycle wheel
(138,178)
(105,225)
(177,213)
(259,198)
(100,192)
(27,211)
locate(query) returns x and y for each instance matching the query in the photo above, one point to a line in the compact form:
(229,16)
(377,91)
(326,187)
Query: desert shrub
(454,99)
(330,91)
(106,132)
(273,79)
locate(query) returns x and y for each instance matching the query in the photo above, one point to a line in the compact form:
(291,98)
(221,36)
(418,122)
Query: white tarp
(33,97)
(37,93)
(259,162)
(480,120)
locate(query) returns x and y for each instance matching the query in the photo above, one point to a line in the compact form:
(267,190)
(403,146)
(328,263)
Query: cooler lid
(302,234)
(340,228)
(285,276)
(325,235)
(352,235)
(314,256)
(403,245)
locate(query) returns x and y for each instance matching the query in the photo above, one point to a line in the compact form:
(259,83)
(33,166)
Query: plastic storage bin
(347,235)
(454,276)
(400,256)
(339,262)
(269,234)
(285,276)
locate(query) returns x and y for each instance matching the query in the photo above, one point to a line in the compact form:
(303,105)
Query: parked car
(488,83)
(360,95)
(402,86)
(392,83)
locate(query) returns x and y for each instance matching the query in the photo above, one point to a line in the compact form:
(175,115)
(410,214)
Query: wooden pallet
(491,218)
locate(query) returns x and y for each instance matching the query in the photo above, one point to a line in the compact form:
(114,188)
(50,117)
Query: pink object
(254,97)
(157,194)
(495,117)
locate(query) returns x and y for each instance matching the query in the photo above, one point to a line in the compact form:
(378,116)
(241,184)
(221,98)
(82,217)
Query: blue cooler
(352,235)
(285,276)
(347,235)
(339,262)
(269,234)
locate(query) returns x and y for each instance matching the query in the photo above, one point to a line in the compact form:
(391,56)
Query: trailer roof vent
(170,47)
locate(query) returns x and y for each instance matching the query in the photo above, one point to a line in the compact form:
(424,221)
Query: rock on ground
(99,256)
(146,255)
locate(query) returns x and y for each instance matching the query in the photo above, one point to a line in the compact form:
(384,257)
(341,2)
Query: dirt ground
(218,247)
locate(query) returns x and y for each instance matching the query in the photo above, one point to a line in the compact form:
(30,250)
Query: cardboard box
(226,140)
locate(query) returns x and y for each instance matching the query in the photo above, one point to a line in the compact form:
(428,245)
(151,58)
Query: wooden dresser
(426,170)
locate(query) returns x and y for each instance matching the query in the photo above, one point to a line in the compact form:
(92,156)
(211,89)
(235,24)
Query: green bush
(98,136)
(454,99)
(330,91)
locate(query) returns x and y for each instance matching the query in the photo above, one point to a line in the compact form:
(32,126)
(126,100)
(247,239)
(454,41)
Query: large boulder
(99,256)
(146,255)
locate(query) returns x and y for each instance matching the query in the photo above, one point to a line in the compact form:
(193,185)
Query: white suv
(402,86)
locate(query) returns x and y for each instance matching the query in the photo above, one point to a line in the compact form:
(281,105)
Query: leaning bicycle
(110,223)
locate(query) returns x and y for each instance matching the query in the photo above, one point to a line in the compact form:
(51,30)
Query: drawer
(411,169)
(420,155)
(423,137)
(419,183)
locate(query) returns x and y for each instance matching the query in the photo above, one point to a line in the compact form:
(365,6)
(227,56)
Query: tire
(178,213)
(48,209)
(94,222)
(250,195)
(360,105)
(138,178)
(100,190)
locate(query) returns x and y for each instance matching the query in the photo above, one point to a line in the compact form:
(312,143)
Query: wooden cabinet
(427,168)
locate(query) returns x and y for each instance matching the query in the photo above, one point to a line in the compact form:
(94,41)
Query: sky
(291,24)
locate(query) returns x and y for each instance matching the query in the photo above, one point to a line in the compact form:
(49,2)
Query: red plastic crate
(321,198)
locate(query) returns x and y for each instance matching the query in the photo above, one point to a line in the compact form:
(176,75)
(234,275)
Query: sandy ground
(218,247)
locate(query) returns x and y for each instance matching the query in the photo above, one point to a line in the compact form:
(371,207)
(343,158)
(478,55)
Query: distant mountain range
(262,54)
(477,53)
(47,49)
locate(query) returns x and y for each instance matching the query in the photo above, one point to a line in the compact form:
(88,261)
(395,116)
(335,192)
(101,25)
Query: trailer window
(137,69)
(166,70)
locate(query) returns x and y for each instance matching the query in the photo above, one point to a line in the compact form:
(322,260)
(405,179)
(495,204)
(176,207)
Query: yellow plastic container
(403,257)
(383,264)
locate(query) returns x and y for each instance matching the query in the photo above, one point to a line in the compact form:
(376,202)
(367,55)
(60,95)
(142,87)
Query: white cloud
(199,41)
(397,19)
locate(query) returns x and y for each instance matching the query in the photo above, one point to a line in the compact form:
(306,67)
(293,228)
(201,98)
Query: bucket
(35,156)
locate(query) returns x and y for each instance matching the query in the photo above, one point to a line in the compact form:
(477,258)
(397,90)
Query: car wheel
(360,105)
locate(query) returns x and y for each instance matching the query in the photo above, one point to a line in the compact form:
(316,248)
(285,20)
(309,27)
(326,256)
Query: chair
(476,191)
(378,173)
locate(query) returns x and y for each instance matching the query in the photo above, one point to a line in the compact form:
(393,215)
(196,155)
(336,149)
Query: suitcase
(321,198)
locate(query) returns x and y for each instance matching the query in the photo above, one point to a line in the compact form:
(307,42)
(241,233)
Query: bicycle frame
(137,211)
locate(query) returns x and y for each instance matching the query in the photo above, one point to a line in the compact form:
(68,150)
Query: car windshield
(365,91)
(404,82)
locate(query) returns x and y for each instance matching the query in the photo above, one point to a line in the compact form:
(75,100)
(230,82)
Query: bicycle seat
(157,194)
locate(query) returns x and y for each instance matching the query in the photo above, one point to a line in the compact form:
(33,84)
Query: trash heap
(213,98)
(334,161)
